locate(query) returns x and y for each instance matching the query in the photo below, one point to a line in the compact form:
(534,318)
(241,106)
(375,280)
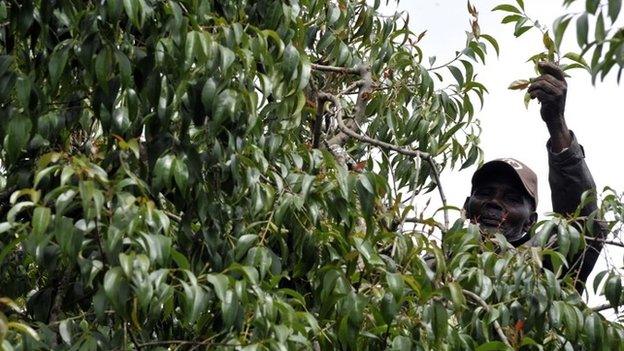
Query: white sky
(509,130)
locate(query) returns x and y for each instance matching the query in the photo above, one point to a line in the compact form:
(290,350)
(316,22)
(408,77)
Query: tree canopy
(219,174)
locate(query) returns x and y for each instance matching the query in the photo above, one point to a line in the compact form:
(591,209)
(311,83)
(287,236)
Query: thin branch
(169,343)
(55,311)
(603,307)
(351,87)
(605,241)
(431,223)
(317,126)
(484,304)
(335,69)
(457,56)
(405,151)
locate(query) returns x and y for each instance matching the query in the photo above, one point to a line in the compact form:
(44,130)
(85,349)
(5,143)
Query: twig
(58,302)
(605,241)
(431,223)
(603,307)
(317,126)
(484,304)
(134,340)
(335,69)
(169,342)
(405,151)
(457,56)
(366,87)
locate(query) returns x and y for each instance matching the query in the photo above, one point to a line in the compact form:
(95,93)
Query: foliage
(600,51)
(174,176)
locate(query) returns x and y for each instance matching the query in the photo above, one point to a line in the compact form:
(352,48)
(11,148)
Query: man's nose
(493,203)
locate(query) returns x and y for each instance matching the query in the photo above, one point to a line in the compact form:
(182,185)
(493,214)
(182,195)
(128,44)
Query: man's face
(499,203)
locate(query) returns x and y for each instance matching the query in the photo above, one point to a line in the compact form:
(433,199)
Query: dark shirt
(569,178)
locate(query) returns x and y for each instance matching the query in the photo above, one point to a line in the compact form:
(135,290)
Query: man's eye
(483,192)
(515,198)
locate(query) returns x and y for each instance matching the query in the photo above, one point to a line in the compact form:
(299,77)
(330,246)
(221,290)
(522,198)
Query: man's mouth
(490,221)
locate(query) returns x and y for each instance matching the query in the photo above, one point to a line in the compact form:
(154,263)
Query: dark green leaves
(291,60)
(506,8)
(18,135)
(591,6)
(581,29)
(614,9)
(57,63)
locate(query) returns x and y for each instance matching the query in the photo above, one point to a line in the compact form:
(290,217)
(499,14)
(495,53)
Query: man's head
(503,198)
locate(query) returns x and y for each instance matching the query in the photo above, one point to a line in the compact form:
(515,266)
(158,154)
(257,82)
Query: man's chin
(510,235)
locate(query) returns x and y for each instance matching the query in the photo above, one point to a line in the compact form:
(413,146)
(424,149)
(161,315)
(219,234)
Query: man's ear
(465,208)
(530,222)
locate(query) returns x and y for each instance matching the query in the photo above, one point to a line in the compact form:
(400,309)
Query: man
(504,192)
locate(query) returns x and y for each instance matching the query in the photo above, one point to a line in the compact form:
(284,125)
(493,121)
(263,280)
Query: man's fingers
(541,95)
(552,80)
(550,68)
(544,85)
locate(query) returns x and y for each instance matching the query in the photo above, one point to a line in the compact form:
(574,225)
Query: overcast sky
(510,130)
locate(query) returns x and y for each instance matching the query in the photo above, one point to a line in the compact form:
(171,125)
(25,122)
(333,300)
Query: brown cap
(527,177)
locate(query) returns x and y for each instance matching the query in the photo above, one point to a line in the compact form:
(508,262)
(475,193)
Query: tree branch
(487,307)
(335,69)
(405,151)
(55,311)
(605,241)
(602,307)
(366,87)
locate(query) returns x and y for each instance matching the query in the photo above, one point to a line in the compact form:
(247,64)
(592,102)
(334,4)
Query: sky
(594,113)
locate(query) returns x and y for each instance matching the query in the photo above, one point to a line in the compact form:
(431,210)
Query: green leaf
(591,6)
(506,8)
(132,11)
(125,68)
(395,284)
(243,244)
(65,331)
(208,93)
(559,27)
(17,136)
(593,328)
(291,61)
(41,220)
(162,172)
(23,329)
(600,28)
(492,41)
(457,296)
(493,346)
(306,72)
(439,320)
(57,63)
(220,284)
(576,58)
(581,30)
(613,289)
(181,174)
(23,91)
(227,58)
(457,74)
(112,282)
(614,9)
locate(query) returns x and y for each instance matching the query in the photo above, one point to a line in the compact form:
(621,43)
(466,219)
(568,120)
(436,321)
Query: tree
(237,174)
(606,44)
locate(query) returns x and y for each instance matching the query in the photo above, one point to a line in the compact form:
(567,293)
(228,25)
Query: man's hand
(550,89)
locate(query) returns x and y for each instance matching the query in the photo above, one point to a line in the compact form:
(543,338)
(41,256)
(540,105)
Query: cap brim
(496,166)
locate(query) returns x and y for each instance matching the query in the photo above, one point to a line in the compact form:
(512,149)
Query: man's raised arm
(568,175)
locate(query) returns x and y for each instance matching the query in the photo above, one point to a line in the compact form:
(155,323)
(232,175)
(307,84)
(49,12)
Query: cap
(527,177)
